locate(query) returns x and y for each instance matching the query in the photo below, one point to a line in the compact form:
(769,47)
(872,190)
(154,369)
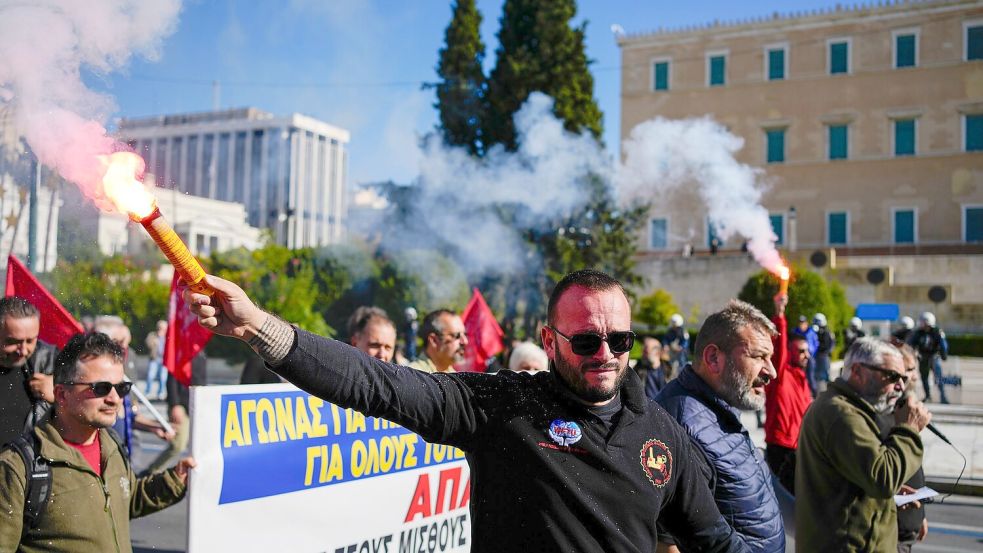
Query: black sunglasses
(588,343)
(101,389)
(890,376)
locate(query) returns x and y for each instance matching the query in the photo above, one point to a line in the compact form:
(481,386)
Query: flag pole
(153,410)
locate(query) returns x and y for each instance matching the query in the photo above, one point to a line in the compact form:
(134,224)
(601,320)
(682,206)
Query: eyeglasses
(800,351)
(102,389)
(454,335)
(891,376)
(588,343)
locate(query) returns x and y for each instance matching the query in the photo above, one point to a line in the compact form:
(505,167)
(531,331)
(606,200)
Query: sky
(361,64)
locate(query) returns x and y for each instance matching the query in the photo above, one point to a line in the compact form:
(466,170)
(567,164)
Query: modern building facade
(289,172)
(868,122)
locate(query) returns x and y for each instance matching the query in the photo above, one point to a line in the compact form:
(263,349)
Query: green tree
(808,293)
(655,309)
(114,286)
(539,51)
(461,90)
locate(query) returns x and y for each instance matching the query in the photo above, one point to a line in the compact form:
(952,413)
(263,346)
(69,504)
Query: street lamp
(792,229)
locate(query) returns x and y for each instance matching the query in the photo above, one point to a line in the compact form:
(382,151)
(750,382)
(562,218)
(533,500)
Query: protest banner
(281,470)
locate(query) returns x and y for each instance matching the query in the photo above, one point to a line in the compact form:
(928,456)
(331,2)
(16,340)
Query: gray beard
(737,391)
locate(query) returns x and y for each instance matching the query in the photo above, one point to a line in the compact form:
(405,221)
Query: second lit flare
(130,196)
(783,274)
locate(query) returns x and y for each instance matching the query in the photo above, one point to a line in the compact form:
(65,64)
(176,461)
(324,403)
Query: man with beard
(788,397)
(732,365)
(92,492)
(571,459)
(847,472)
(444,341)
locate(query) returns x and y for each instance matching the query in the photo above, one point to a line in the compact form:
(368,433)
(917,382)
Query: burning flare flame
(121,186)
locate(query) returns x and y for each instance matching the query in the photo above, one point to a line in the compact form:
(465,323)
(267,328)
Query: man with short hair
(444,342)
(930,343)
(847,472)
(572,459)
(731,367)
(372,331)
(787,398)
(26,366)
(527,357)
(808,333)
(94,493)
(652,369)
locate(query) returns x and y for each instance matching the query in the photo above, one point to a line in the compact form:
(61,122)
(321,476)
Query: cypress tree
(539,51)
(461,90)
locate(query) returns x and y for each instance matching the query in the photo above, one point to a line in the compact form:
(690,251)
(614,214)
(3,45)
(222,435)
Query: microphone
(931,427)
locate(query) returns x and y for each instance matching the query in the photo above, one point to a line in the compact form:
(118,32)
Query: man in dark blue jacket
(573,459)
(731,366)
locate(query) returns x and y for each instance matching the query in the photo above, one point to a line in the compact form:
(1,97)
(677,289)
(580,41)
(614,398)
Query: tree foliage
(655,309)
(539,51)
(808,293)
(115,286)
(461,90)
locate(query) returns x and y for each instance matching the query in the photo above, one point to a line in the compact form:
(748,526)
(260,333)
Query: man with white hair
(527,357)
(846,472)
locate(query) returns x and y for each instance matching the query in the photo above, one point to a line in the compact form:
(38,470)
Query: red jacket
(787,396)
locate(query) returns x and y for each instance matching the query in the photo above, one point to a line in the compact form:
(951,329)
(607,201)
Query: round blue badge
(565,432)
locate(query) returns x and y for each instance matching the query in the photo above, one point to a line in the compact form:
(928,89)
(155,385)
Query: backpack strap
(37,489)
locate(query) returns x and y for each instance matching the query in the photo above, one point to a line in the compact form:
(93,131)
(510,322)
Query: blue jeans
(156,374)
(822,367)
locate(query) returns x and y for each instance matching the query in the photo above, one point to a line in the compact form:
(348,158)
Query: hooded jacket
(85,512)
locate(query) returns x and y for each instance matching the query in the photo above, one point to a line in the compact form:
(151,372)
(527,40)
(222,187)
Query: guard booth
(878,318)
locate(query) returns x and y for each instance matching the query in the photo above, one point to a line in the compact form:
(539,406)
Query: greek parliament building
(289,172)
(868,123)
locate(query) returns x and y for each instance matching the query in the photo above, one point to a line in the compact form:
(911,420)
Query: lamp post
(792,229)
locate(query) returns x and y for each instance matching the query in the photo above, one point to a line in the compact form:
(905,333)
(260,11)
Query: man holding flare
(598,463)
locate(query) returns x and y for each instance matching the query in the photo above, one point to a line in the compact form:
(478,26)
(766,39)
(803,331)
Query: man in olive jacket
(94,493)
(846,475)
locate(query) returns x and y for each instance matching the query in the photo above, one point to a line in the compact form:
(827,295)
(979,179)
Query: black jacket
(42,361)
(544,475)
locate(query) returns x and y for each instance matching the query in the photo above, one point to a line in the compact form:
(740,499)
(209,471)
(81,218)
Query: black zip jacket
(544,474)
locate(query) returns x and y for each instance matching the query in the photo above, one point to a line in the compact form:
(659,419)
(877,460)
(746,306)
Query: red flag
(484,334)
(57,324)
(185,337)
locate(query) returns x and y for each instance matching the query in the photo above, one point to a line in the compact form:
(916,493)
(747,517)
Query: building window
(974,133)
(974,41)
(717,69)
(839,57)
(838,142)
(776,145)
(658,234)
(904,137)
(973,223)
(778,227)
(836,228)
(905,50)
(904,226)
(776,63)
(660,75)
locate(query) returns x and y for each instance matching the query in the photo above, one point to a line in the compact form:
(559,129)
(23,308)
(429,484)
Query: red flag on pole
(185,337)
(57,324)
(484,334)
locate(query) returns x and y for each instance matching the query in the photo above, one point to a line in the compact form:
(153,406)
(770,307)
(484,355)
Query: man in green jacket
(94,493)
(846,475)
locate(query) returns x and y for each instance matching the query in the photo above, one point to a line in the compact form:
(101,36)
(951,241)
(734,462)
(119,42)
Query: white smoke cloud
(663,156)
(44,47)
(456,194)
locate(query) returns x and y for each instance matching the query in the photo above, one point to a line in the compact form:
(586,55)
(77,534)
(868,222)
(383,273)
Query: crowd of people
(615,455)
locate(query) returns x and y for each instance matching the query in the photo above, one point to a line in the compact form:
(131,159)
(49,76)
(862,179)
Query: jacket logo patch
(124,484)
(656,461)
(565,433)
